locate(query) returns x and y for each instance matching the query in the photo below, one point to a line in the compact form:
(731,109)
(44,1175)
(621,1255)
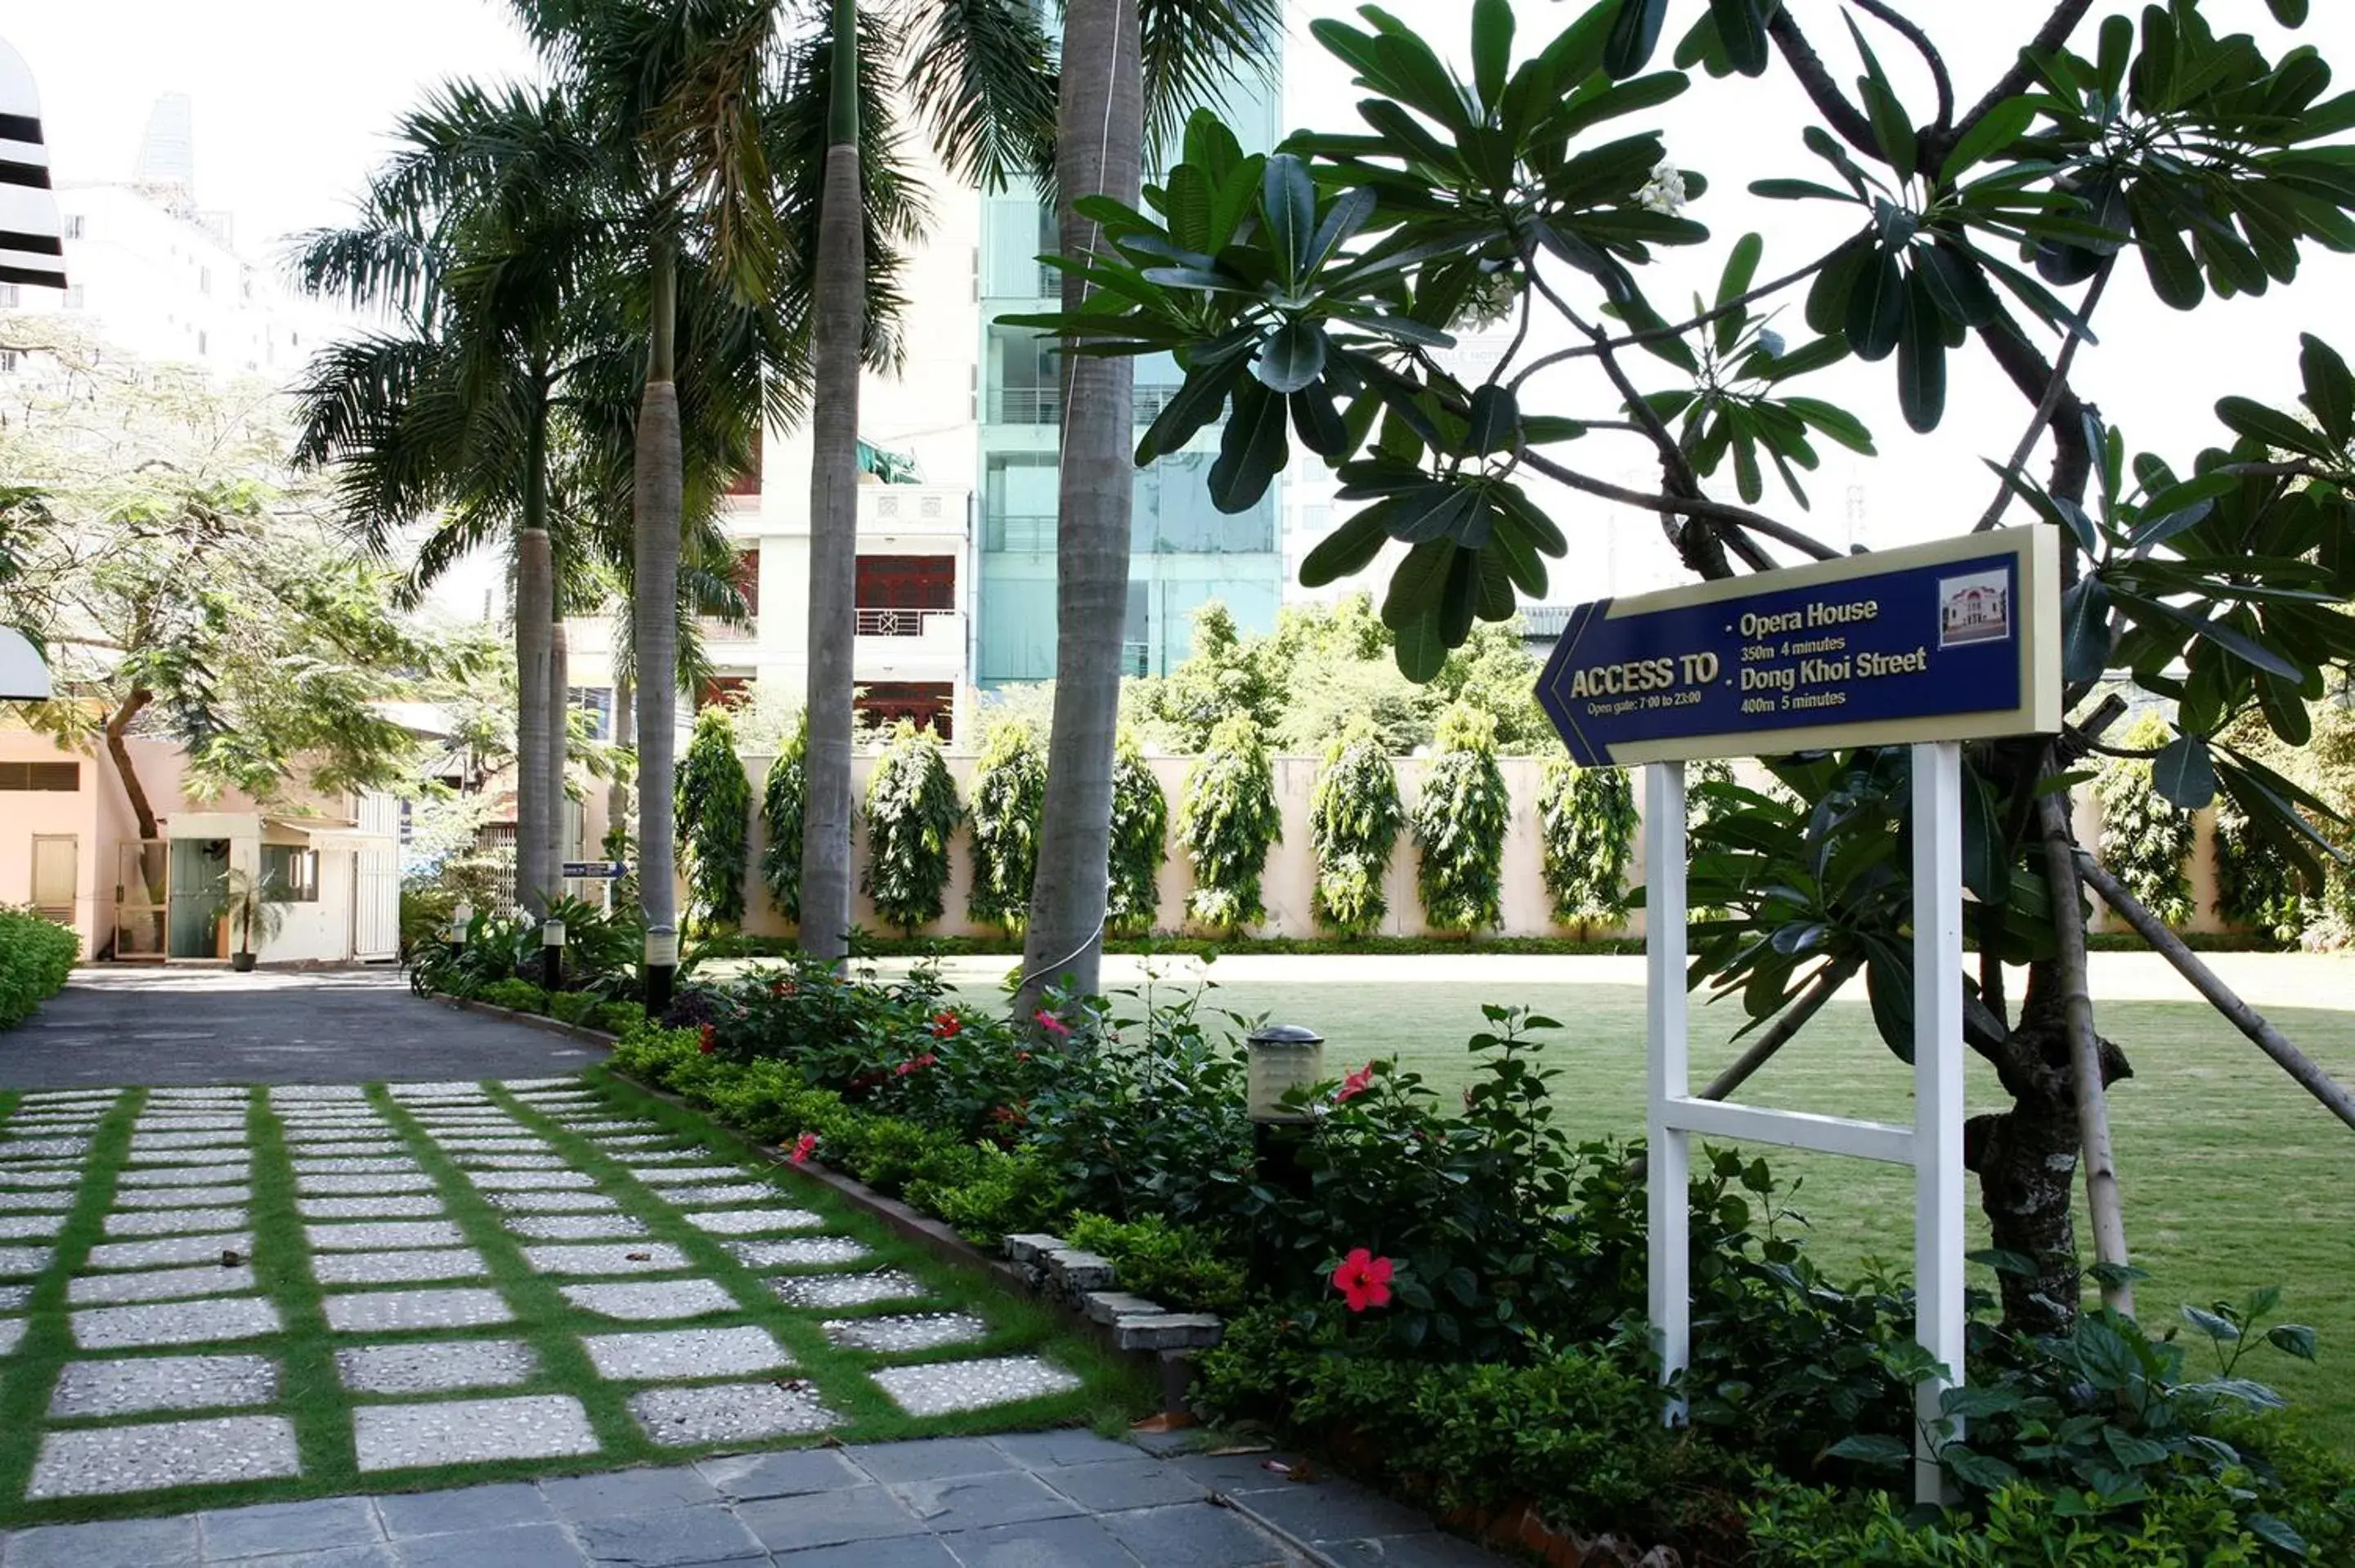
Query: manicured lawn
(2234,1178)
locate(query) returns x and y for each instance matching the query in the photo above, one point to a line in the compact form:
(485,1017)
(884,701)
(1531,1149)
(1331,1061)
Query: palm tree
(1129,66)
(480,239)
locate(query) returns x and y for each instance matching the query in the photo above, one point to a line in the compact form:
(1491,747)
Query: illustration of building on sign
(1975,608)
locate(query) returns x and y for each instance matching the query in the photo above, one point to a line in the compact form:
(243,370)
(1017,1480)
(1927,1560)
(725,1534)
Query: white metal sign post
(1932,1146)
(1925,647)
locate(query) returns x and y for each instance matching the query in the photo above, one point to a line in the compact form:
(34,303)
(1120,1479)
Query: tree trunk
(1100,131)
(839,311)
(559,735)
(2088,1086)
(653,608)
(534,603)
(119,750)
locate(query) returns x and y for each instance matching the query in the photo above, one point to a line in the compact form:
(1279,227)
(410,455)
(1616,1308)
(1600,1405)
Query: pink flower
(909,1066)
(1363,1280)
(803,1147)
(1356,1084)
(1049,1022)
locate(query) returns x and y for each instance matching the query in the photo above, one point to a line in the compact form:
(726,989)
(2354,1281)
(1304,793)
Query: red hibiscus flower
(710,1040)
(1049,1022)
(945,1025)
(1356,1084)
(803,1147)
(1363,1280)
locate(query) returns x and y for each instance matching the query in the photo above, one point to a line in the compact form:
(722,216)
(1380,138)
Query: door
(142,899)
(198,867)
(375,879)
(57,863)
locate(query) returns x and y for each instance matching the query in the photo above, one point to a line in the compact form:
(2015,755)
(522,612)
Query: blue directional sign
(594,870)
(1953,640)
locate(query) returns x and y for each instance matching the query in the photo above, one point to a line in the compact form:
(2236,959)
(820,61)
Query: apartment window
(925,704)
(597,702)
(907,582)
(76,296)
(747,578)
(54,778)
(291,874)
(10,361)
(76,227)
(11,296)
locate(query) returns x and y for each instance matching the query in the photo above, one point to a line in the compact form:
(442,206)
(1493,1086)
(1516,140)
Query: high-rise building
(1183,550)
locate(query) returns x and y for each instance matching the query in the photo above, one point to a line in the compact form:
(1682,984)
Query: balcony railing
(1044,405)
(904,622)
(1020,534)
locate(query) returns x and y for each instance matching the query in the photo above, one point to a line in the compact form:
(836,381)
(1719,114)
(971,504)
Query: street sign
(1953,641)
(594,870)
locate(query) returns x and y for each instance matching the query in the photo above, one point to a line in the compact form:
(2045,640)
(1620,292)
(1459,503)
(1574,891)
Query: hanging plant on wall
(2256,886)
(1228,821)
(912,813)
(1353,823)
(1140,841)
(2145,839)
(1586,820)
(1009,799)
(1459,824)
(780,822)
(714,803)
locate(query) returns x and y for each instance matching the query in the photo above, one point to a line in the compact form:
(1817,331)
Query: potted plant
(254,912)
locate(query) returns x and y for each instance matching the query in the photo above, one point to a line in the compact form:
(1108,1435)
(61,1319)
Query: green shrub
(912,814)
(1586,822)
(1227,822)
(1140,841)
(992,1193)
(1010,800)
(576,1007)
(1183,1266)
(2256,886)
(515,995)
(1459,824)
(35,956)
(1353,824)
(782,794)
(715,805)
(2145,839)
(2192,1525)
(618,1017)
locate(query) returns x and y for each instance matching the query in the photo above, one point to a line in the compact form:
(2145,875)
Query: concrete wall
(1290,875)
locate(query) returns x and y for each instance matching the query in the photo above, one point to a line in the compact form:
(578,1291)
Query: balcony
(909,644)
(1021,534)
(903,623)
(1044,405)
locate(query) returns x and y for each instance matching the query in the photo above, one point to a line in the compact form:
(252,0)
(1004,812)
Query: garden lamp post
(462,918)
(552,955)
(1280,1058)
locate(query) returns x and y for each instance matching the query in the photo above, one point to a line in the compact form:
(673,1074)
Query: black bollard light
(661,968)
(552,955)
(1281,1058)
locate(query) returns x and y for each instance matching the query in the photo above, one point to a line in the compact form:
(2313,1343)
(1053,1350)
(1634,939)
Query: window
(907,582)
(203,342)
(747,577)
(11,360)
(882,703)
(11,296)
(75,226)
(58,778)
(597,702)
(76,296)
(290,875)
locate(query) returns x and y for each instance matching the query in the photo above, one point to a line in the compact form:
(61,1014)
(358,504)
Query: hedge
(35,956)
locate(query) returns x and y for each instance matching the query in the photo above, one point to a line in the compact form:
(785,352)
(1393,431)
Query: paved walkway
(116,1024)
(1044,1500)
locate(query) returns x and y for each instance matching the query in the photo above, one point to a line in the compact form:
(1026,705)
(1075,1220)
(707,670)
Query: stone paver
(730,1413)
(163,1382)
(399,1266)
(174,1323)
(945,1387)
(465,1431)
(652,1301)
(647,1356)
(155,1455)
(605,1258)
(436,1367)
(834,1291)
(159,1285)
(170,1250)
(389,1311)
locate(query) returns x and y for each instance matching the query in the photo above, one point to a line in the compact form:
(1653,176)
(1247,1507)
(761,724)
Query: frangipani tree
(1309,296)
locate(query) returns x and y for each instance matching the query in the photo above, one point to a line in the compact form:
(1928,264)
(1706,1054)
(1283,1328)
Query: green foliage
(515,995)
(715,810)
(1182,1267)
(2146,841)
(1227,821)
(1460,819)
(1809,1527)
(1586,823)
(1354,819)
(1223,677)
(1009,799)
(782,795)
(912,814)
(35,956)
(2256,886)
(1140,841)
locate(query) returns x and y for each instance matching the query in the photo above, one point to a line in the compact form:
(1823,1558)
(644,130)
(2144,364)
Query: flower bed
(1452,1294)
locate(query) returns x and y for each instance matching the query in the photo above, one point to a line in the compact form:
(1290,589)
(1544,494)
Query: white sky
(293,98)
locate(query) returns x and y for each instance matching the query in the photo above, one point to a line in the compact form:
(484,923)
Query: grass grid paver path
(253,1296)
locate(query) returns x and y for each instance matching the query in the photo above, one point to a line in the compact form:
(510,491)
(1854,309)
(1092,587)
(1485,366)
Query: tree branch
(1655,334)
(1908,29)
(1681,506)
(2333,1094)
(1806,65)
(2056,387)
(2011,83)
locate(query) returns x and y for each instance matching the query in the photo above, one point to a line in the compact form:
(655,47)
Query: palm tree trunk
(534,612)
(655,626)
(839,312)
(1100,132)
(559,735)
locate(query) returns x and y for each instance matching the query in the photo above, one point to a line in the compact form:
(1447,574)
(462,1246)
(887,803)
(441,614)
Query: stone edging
(540,1020)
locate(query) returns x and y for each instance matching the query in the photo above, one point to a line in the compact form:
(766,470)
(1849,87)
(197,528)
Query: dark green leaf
(1797,190)
(1740,267)
(2174,274)
(1345,552)
(1316,420)
(1993,131)
(1252,453)
(1957,284)
(1291,357)
(1893,129)
(2268,1527)
(1742,31)
(2292,1339)
(2329,387)
(1288,211)
(2230,639)
(2184,774)
(1872,1449)
(2253,420)
(1634,36)
(1420,649)
(1983,1472)
(2085,630)
(1876,307)
(1921,359)
(1496,420)
(1987,863)
(1889,985)
(1492,47)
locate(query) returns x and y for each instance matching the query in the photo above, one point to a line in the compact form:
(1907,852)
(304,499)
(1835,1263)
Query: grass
(2234,1178)
(320,1409)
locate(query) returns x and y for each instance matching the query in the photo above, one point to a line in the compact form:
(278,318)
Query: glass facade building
(1184,550)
